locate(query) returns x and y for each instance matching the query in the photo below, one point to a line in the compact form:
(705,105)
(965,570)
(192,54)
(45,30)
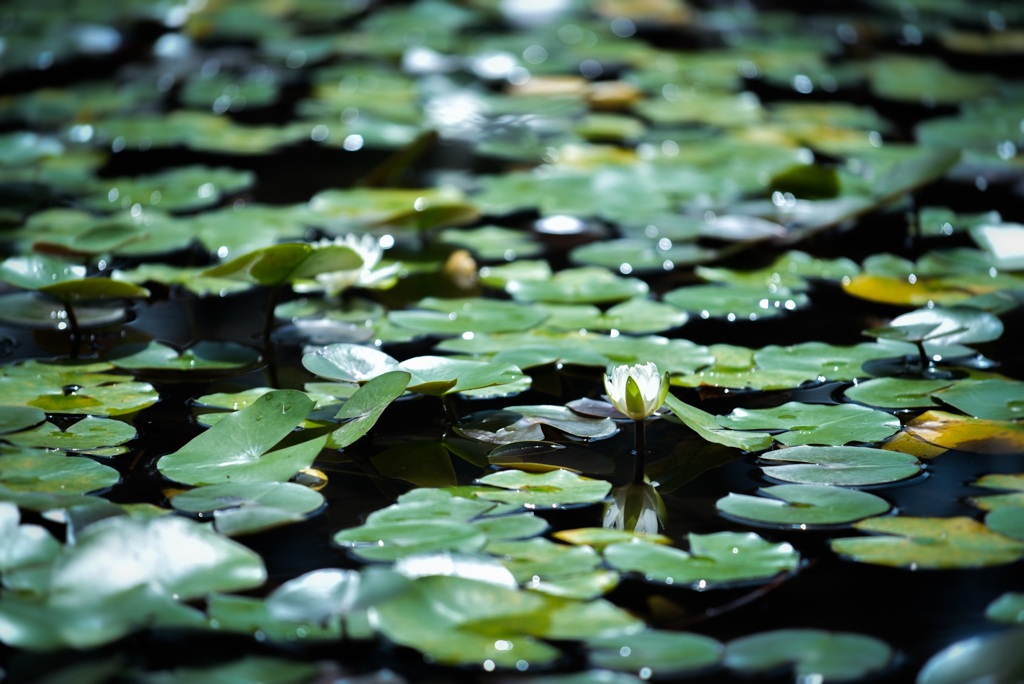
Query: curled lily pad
(246,446)
(839,465)
(812,653)
(705,425)
(803,506)
(364,408)
(287,262)
(825,424)
(660,653)
(348,362)
(958,542)
(524,424)
(942,325)
(440,375)
(714,560)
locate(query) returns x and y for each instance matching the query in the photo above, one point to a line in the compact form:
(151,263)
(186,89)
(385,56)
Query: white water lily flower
(368,275)
(637,391)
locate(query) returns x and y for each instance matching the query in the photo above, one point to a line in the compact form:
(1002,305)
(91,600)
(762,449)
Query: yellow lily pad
(975,435)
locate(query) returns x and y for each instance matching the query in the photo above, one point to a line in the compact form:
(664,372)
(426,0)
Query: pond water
(290,452)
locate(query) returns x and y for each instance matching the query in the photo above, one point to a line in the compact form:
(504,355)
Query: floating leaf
(994,658)
(348,362)
(803,506)
(832,425)
(440,375)
(248,668)
(634,255)
(459,621)
(600,537)
(942,326)
(33,310)
(975,435)
(524,424)
(660,653)
(543,490)
(364,408)
(241,446)
(85,435)
(287,262)
(178,189)
(18,418)
(389,540)
(896,393)
(812,653)
(705,425)
(459,316)
(714,560)
(494,243)
(987,399)
(556,569)
(929,543)
(585,285)
(24,469)
(199,359)
(1008,608)
(246,507)
(735,302)
(847,466)
(1008,521)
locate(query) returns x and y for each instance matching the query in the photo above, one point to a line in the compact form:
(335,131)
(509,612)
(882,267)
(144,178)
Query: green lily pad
(389,540)
(660,653)
(1013,482)
(714,560)
(1008,608)
(34,310)
(422,208)
(634,255)
(441,375)
(18,418)
(929,543)
(896,393)
(460,316)
(791,270)
(287,262)
(557,569)
(846,466)
(348,362)
(200,359)
(25,469)
(1007,521)
(244,446)
(189,278)
(245,507)
(494,243)
(831,425)
(64,281)
(24,548)
(987,399)
(525,424)
(85,435)
(993,657)
(600,537)
(812,653)
(803,506)
(460,621)
(584,285)
(635,316)
(735,302)
(249,668)
(364,408)
(179,189)
(706,425)
(942,326)
(554,489)
(926,80)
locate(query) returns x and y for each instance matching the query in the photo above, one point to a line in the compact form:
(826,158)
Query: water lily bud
(638,390)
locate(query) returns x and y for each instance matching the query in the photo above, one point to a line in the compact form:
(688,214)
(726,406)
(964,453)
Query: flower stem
(639,450)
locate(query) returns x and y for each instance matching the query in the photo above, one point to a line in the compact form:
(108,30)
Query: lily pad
(460,621)
(735,302)
(18,418)
(203,358)
(555,489)
(584,285)
(660,653)
(975,435)
(348,362)
(846,466)
(634,255)
(896,393)
(714,560)
(986,399)
(244,446)
(179,189)
(634,316)
(25,469)
(441,375)
(994,658)
(812,653)
(1008,608)
(929,543)
(88,434)
(460,316)
(243,508)
(803,506)
(389,540)
(364,408)
(706,425)
(287,262)
(527,426)
(832,425)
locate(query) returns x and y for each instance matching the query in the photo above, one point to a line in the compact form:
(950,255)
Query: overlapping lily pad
(822,424)
(243,508)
